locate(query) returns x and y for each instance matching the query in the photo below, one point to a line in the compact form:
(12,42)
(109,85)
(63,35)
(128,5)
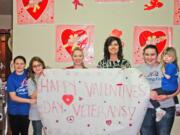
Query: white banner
(92,101)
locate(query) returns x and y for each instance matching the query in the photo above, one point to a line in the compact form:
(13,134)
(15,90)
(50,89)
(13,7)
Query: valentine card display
(69,37)
(92,101)
(35,11)
(159,36)
(177,12)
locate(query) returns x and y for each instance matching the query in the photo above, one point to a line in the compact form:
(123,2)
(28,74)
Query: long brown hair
(30,68)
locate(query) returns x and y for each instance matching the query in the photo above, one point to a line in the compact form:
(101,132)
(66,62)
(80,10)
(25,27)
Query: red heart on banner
(72,39)
(35,7)
(157,38)
(68,99)
(108,122)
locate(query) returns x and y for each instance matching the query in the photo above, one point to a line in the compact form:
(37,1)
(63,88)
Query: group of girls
(22,87)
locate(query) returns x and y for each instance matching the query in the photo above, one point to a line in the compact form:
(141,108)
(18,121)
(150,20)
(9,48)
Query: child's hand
(162,97)
(163,70)
(153,95)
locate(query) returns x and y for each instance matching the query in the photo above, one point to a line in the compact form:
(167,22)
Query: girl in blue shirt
(169,81)
(18,99)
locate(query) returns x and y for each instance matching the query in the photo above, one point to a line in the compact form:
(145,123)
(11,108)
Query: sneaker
(177,110)
(160,114)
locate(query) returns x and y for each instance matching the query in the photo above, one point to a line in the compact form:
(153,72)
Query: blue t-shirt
(18,84)
(170,85)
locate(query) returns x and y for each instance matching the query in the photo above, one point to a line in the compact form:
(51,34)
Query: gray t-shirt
(153,76)
(33,113)
(0,84)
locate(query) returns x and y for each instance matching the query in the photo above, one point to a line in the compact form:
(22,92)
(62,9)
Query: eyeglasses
(37,66)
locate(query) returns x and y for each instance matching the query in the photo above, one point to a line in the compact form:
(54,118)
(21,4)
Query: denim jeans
(37,127)
(163,127)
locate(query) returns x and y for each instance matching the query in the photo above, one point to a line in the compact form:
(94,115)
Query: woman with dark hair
(113,54)
(36,67)
(151,70)
(18,100)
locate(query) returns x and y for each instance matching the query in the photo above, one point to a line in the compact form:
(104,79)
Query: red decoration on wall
(153,4)
(71,39)
(116,33)
(157,38)
(77,3)
(35,7)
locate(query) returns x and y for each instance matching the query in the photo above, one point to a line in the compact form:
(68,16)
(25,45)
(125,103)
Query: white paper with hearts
(92,101)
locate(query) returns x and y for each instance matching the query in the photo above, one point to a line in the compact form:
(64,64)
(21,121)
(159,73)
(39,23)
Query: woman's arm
(34,95)
(164,97)
(15,98)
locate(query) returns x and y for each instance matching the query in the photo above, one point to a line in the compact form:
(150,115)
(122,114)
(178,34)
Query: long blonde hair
(79,49)
(171,52)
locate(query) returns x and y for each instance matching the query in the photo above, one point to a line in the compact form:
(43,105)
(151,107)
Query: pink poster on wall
(35,11)
(69,37)
(113,1)
(176,12)
(160,36)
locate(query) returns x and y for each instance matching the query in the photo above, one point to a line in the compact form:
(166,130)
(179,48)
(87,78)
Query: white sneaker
(159,114)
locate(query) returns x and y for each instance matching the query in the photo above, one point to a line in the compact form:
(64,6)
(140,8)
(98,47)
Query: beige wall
(39,40)
(5,21)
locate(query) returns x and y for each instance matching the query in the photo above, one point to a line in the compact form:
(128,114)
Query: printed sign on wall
(177,12)
(69,37)
(92,101)
(159,36)
(35,11)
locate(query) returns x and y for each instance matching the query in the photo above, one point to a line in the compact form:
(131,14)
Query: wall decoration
(102,1)
(153,4)
(70,36)
(117,33)
(35,11)
(114,102)
(176,12)
(159,36)
(77,3)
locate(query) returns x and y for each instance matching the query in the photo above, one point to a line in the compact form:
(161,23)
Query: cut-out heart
(35,7)
(157,38)
(72,39)
(68,99)
(108,122)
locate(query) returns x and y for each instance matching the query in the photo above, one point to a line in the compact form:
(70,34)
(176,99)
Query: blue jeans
(163,127)
(37,127)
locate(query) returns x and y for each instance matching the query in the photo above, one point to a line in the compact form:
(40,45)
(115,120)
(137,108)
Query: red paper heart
(157,38)
(68,99)
(36,9)
(108,122)
(72,39)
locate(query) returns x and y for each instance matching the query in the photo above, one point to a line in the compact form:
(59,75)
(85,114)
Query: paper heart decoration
(157,38)
(108,122)
(72,39)
(68,99)
(35,7)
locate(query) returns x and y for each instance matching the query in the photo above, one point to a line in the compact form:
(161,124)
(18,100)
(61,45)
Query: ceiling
(6,7)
